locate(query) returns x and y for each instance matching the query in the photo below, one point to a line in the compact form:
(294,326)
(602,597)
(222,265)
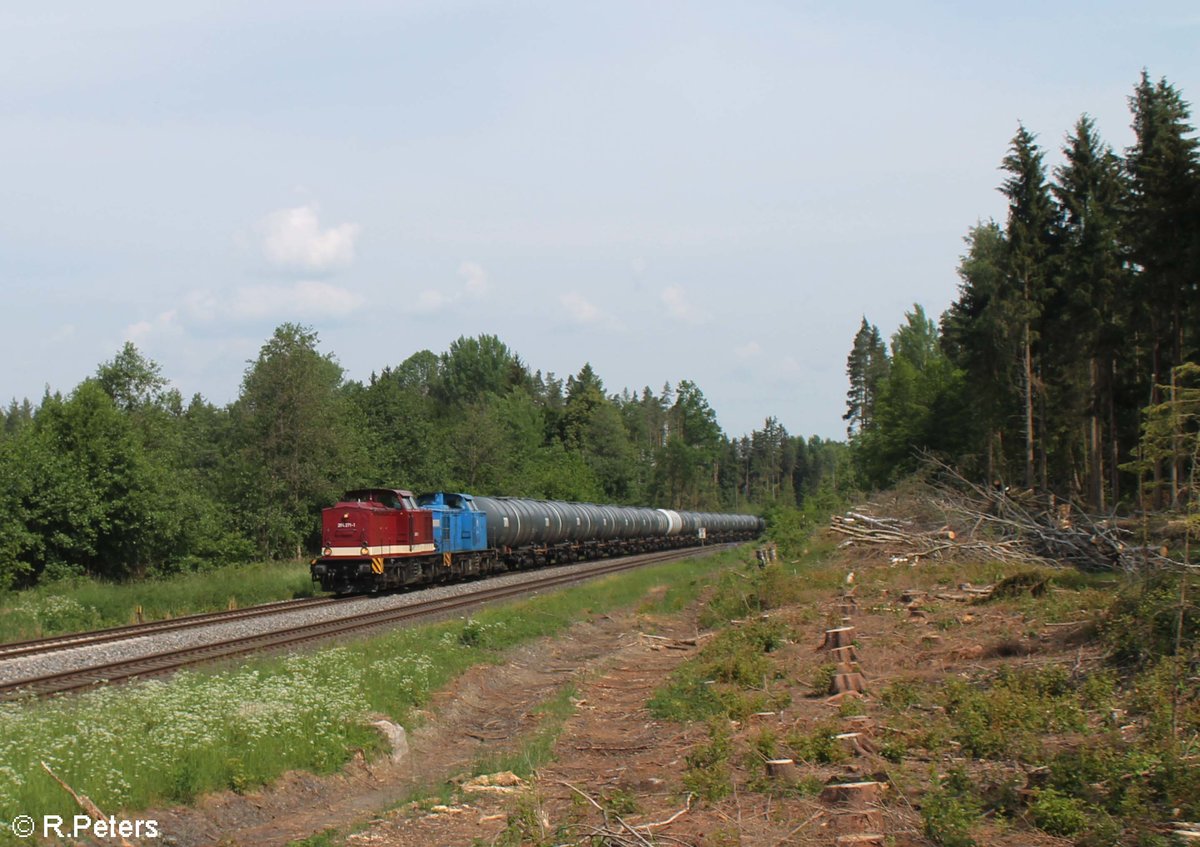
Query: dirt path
(486,711)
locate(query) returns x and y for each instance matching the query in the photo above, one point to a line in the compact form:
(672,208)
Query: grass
(74,605)
(160,742)
(732,674)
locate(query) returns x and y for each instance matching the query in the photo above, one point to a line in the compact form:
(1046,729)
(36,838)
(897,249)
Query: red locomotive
(372,525)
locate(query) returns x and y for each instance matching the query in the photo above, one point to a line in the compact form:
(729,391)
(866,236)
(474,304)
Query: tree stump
(853,795)
(848,668)
(782,770)
(842,636)
(855,743)
(863,724)
(844,655)
(858,821)
(844,682)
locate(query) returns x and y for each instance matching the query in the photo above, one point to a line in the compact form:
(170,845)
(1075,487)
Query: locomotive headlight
(365,550)
(328,551)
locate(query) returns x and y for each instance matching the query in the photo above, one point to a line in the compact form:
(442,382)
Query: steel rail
(69,641)
(161,663)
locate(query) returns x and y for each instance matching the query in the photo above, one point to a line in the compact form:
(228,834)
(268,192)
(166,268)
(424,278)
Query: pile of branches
(907,543)
(1053,531)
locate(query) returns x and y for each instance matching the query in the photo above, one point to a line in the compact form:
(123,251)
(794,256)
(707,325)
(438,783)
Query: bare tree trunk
(1028,387)
(991,457)
(1155,399)
(1176,446)
(1095,447)
(1114,454)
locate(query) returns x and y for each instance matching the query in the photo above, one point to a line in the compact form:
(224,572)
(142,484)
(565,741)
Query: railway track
(70,641)
(168,661)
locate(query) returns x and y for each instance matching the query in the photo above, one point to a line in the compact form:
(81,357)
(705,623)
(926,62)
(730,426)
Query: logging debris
(995,523)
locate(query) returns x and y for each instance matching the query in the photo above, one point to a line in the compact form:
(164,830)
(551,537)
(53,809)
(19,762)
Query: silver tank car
(516,522)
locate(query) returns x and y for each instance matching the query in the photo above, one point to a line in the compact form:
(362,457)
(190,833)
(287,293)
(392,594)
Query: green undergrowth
(79,604)
(737,673)
(1098,752)
(164,742)
(733,674)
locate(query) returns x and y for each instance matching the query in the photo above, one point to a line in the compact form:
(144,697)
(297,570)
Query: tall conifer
(1030,235)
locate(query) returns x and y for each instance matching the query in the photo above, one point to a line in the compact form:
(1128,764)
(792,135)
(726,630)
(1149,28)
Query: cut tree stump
(844,655)
(844,682)
(857,821)
(855,743)
(854,795)
(842,636)
(782,770)
(863,724)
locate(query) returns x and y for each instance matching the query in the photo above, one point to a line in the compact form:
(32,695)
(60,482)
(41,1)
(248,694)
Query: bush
(950,810)
(726,678)
(1009,717)
(708,774)
(1057,813)
(1139,626)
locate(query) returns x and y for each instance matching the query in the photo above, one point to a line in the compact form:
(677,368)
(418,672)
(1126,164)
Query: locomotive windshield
(390,497)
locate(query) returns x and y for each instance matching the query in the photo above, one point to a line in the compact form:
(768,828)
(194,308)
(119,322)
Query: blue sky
(705,191)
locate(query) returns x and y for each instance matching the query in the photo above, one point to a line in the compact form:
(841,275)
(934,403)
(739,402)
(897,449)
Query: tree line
(1072,331)
(121,478)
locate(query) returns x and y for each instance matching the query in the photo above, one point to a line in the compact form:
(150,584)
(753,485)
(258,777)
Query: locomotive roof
(450,499)
(375,493)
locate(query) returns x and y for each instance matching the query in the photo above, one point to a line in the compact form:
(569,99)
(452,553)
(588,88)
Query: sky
(708,191)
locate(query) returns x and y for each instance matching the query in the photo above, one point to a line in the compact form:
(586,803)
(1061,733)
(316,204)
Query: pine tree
(865,366)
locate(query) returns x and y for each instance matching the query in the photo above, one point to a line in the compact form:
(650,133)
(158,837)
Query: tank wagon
(383,538)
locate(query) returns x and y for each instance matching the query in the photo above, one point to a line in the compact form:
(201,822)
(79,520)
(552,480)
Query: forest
(121,478)
(1068,362)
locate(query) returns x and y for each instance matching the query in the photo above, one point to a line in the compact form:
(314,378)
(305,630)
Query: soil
(612,752)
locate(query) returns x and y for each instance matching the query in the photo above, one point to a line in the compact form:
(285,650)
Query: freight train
(376,539)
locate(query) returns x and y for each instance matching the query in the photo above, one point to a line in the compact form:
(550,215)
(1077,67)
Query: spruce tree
(1091,321)
(1030,235)
(1165,182)
(865,366)
(978,336)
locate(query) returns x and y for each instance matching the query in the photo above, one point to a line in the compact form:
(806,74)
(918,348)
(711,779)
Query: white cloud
(304,299)
(476,278)
(475,287)
(292,239)
(432,300)
(675,299)
(581,310)
(202,305)
(162,324)
(63,332)
(748,350)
